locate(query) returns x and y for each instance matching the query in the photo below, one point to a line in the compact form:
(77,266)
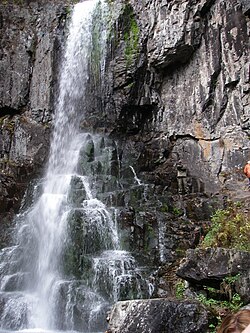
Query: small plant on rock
(179,289)
(230,228)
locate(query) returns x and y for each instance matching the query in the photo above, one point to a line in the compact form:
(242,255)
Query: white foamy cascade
(49,215)
(66,266)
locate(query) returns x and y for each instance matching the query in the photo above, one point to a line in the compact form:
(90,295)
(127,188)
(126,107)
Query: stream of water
(66,267)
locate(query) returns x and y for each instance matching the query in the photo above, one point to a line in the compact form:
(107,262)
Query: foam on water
(66,266)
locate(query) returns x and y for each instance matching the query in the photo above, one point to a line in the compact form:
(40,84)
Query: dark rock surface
(158,315)
(184,94)
(31,38)
(210,266)
(176,88)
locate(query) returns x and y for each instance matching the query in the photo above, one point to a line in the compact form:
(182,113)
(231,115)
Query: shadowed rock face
(158,315)
(176,88)
(184,90)
(30,35)
(208,267)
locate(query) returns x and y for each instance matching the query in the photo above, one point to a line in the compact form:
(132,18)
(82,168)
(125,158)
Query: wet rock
(83,302)
(77,193)
(158,316)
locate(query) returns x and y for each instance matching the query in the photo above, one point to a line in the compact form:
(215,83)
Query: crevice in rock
(245,7)
(175,137)
(220,168)
(232,84)
(135,119)
(8,111)
(207,6)
(227,89)
(212,86)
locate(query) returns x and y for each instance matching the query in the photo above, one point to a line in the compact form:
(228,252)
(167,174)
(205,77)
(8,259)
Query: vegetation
(7,123)
(219,302)
(96,52)
(230,228)
(179,289)
(164,208)
(131,38)
(177,211)
(219,307)
(68,10)
(126,30)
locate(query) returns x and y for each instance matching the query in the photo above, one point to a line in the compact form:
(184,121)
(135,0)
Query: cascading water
(66,266)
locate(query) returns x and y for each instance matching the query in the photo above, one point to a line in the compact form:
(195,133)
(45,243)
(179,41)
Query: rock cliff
(31,39)
(176,90)
(179,83)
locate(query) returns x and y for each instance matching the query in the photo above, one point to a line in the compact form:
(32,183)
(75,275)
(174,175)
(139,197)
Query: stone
(210,266)
(158,316)
(242,286)
(246,7)
(189,73)
(182,94)
(30,37)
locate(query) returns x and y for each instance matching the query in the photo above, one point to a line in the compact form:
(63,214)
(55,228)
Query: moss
(10,126)
(2,120)
(179,289)
(177,211)
(164,208)
(131,35)
(125,30)
(7,123)
(68,10)
(96,52)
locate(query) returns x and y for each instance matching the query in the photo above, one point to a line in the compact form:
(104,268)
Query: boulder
(210,266)
(158,316)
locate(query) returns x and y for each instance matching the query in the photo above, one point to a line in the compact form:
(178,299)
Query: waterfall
(66,265)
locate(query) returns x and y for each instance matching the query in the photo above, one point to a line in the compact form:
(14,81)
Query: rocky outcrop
(30,46)
(179,83)
(209,267)
(158,315)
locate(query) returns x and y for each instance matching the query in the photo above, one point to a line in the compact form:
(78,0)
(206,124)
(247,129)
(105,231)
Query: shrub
(230,228)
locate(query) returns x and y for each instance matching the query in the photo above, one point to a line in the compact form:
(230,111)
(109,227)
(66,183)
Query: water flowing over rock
(31,40)
(173,87)
(66,265)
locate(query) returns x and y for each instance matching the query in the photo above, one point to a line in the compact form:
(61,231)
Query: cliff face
(179,79)
(176,89)
(30,36)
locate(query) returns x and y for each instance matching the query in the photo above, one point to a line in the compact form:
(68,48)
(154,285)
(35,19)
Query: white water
(39,292)
(49,215)
(137,180)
